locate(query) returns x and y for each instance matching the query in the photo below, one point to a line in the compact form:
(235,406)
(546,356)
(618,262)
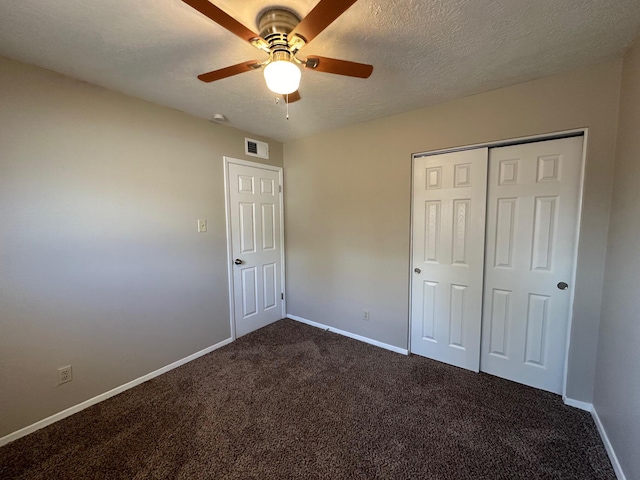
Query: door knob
(417,270)
(563,286)
(237,261)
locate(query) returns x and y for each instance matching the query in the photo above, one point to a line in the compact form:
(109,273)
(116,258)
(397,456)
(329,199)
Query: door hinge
(280,188)
(282,296)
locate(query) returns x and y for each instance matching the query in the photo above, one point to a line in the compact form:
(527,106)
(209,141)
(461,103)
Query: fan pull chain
(286,97)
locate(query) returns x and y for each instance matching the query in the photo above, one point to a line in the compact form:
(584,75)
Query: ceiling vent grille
(255,148)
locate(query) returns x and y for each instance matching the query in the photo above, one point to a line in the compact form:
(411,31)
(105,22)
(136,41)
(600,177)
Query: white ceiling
(423,52)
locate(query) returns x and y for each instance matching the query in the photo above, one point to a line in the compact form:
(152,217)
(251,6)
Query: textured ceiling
(424,52)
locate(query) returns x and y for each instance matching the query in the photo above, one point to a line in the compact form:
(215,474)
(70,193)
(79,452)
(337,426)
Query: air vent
(256,148)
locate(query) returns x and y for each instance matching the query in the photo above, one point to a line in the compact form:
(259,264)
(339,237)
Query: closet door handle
(417,270)
(563,286)
(237,261)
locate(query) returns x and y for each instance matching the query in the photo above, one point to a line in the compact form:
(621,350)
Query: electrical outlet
(365,315)
(202,226)
(65,374)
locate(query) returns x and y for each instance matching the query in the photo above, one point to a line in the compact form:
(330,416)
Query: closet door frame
(584,132)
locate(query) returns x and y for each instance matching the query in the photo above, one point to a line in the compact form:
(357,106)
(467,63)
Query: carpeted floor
(294,402)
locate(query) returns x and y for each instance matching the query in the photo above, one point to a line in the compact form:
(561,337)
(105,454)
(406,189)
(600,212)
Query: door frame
(247,163)
(503,143)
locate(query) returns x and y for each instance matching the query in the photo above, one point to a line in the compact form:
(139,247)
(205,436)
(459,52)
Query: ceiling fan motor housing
(277,20)
(274,26)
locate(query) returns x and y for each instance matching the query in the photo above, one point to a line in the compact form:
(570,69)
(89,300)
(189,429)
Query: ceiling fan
(282,35)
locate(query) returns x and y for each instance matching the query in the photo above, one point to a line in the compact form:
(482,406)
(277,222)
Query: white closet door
(448,252)
(254,202)
(531,233)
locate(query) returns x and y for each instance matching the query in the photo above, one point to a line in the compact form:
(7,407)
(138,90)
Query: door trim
(543,137)
(584,132)
(226,162)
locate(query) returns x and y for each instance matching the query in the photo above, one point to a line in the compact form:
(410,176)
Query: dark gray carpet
(292,401)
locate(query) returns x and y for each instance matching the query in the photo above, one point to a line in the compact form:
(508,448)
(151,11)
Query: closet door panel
(449,206)
(532,217)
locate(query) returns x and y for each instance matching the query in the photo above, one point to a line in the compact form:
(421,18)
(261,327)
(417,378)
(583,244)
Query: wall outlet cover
(65,374)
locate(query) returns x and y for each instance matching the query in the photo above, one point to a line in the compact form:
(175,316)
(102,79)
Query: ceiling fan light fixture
(282,35)
(282,76)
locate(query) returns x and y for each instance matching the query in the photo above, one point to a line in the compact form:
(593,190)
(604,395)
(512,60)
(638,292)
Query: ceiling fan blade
(322,15)
(223,19)
(229,71)
(292,97)
(340,67)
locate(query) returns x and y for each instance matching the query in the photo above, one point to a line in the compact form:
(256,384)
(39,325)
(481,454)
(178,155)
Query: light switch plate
(202,226)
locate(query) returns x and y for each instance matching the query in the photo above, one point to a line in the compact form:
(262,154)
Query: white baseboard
(587,407)
(103,396)
(607,445)
(386,346)
(603,434)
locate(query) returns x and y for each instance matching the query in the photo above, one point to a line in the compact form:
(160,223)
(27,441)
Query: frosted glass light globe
(282,77)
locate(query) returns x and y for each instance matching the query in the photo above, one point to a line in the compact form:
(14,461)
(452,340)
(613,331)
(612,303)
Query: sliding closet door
(449,203)
(532,219)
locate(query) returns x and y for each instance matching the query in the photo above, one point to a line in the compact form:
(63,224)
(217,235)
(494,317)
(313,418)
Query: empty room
(326,239)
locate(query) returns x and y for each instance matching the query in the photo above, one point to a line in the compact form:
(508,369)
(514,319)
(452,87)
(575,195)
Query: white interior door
(448,255)
(532,219)
(254,205)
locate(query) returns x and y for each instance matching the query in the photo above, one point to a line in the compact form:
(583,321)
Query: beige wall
(101,266)
(348,197)
(617,385)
